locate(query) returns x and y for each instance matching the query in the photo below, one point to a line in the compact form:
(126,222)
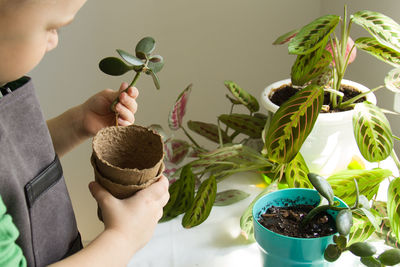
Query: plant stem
(354,99)
(395,159)
(191,139)
(317,210)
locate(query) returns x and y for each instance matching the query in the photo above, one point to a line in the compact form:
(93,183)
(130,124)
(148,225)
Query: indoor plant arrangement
(322,58)
(284,135)
(294,227)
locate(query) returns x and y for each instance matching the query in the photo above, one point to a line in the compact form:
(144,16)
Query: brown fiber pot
(127,159)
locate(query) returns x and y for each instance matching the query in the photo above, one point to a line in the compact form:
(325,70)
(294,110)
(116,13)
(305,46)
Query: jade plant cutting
(344,222)
(142,62)
(324,55)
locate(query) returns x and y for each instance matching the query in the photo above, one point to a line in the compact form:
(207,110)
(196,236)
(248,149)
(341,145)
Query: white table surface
(217,241)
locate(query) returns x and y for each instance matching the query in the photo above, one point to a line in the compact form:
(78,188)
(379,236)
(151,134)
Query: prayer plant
(323,56)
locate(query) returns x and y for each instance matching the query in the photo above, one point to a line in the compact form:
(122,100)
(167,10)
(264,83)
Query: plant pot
(331,144)
(280,250)
(127,159)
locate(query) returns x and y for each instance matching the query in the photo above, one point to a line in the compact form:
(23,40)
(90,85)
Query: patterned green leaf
(368,183)
(378,50)
(178,111)
(208,130)
(176,150)
(246,220)
(383,28)
(283,39)
(229,197)
(361,230)
(129,58)
(296,173)
(393,206)
(292,123)
(310,66)
(313,35)
(392,80)
(182,194)
(168,212)
(372,132)
(243,123)
(249,101)
(202,204)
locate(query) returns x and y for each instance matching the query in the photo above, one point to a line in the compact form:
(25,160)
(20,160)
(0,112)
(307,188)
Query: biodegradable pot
(331,144)
(127,159)
(280,250)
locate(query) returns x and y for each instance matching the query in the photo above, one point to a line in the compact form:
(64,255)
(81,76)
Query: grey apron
(31,179)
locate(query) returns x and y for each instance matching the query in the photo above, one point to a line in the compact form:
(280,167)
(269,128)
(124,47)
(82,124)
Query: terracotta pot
(127,159)
(331,144)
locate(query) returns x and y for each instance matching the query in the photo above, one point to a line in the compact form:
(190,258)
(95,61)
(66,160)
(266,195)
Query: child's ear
(52,41)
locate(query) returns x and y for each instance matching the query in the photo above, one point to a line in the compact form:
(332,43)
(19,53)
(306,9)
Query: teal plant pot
(280,250)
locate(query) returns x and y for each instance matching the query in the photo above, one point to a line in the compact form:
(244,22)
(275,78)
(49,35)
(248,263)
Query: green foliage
(292,123)
(393,206)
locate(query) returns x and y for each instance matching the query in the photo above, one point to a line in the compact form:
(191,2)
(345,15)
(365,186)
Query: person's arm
(129,225)
(10,253)
(81,122)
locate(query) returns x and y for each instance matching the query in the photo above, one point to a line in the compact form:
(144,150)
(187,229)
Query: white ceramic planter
(331,144)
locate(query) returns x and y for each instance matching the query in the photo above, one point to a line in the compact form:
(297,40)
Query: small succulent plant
(143,62)
(344,222)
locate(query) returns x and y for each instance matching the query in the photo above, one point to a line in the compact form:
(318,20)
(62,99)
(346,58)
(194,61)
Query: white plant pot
(331,144)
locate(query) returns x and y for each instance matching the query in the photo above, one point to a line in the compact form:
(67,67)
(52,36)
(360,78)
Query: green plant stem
(352,100)
(395,159)
(317,210)
(191,139)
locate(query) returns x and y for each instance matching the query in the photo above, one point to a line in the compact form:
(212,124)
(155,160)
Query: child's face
(28,30)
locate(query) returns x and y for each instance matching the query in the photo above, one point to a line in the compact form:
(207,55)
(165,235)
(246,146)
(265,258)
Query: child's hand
(132,219)
(97,113)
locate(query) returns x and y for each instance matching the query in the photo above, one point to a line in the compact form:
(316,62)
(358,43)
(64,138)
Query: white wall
(203,42)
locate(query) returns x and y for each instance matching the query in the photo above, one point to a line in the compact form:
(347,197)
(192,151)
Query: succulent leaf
(202,204)
(393,206)
(392,80)
(383,28)
(378,50)
(113,66)
(156,63)
(332,253)
(144,47)
(292,123)
(362,249)
(178,111)
(390,257)
(344,221)
(322,186)
(313,35)
(372,132)
(129,58)
(249,101)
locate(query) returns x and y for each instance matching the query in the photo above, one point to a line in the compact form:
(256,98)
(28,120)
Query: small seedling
(344,221)
(143,62)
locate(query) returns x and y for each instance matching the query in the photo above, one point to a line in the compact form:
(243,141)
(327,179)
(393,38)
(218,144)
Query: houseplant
(305,239)
(322,58)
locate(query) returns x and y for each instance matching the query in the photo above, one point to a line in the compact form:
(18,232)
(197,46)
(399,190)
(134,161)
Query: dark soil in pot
(283,93)
(286,221)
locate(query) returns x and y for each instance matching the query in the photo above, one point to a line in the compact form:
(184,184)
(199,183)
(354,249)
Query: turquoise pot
(279,250)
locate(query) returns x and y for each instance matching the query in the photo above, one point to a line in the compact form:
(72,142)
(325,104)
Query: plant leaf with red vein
(229,197)
(176,150)
(178,111)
